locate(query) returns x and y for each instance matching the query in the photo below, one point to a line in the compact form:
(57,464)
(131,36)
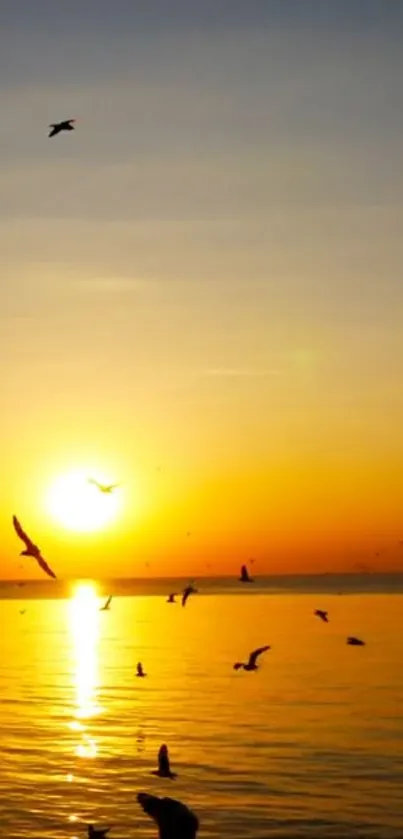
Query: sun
(77,504)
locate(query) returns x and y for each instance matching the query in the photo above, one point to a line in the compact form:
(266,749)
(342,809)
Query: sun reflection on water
(84,629)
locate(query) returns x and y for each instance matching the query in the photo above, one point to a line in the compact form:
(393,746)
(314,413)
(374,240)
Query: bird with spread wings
(31,549)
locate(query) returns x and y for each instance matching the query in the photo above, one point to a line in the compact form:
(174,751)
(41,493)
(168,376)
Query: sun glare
(77,504)
(84,627)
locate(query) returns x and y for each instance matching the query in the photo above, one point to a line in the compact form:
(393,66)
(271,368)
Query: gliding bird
(107,605)
(251,664)
(322,615)
(57,127)
(105,488)
(31,549)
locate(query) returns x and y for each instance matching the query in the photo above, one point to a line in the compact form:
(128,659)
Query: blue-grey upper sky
(222,232)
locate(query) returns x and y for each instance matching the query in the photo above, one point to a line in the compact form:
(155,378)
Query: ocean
(310,745)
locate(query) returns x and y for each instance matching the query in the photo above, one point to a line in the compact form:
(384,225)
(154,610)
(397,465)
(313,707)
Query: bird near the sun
(320,613)
(164,766)
(251,664)
(97,832)
(173,819)
(190,589)
(171,598)
(140,672)
(245,576)
(107,605)
(355,642)
(32,550)
(105,488)
(57,127)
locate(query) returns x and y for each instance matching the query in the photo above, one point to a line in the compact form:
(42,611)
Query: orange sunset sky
(201,286)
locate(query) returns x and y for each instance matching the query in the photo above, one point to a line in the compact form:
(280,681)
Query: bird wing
(163,760)
(55,130)
(256,653)
(108,602)
(185,596)
(22,535)
(45,567)
(94,482)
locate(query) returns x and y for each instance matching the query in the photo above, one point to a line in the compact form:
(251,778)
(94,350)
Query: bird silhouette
(107,489)
(172,818)
(107,604)
(355,642)
(245,576)
(164,766)
(57,127)
(251,664)
(171,598)
(140,672)
(32,550)
(322,615)
(187,592)
(97,832)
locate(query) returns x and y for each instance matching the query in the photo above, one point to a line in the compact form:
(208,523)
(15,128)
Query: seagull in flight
(107,605)
(140,672)
(355,642)
(57,127)
(171,598)
(97,832)
(107,489)
(31,549)
(245,576)
(251,664)
(187,592)
(322,615)
(172,817)
(164,766)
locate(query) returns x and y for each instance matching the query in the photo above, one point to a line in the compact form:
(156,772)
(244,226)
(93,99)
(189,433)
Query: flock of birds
(173,818)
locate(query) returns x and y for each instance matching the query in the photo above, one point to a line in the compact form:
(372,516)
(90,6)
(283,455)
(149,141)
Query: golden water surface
(309,745)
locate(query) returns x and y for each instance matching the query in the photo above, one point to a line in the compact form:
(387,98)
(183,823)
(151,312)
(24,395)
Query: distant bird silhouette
(57,127)
(164,766)
(245,577)
(140,672)
(105,488)
(31,549)
(355,642)
(322,615)
(171,598)
(251,664)
(173,819)
(22,611)
(97,832)
(187,592)
(107,605)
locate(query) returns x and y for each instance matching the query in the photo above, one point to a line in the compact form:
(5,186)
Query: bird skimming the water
(140,672)
(251,664)
(322,615)
(164,766)
(355,642)
(57,127)
(107,605)
(187,592)
(171,598)
(31,549)
(97,832)
(173,818)
(105,488)
(245,576)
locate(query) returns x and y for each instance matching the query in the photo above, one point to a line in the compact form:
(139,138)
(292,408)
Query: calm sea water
(311,745)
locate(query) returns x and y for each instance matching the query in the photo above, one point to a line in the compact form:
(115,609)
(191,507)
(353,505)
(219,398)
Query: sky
(201,286)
